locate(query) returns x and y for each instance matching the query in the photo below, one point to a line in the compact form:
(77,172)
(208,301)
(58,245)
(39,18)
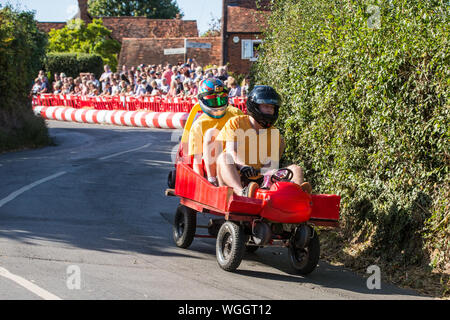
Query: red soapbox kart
(283,215)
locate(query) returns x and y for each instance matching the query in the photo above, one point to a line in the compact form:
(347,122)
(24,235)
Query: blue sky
(61,10)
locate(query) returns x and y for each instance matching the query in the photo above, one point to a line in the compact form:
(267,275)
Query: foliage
(366,113)
(152,9)
(215,28)
(22,50)
(93,38)
(72,64)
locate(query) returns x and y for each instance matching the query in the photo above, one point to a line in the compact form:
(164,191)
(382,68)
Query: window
(250,49)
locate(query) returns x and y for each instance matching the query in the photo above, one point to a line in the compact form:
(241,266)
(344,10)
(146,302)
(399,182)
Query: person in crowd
(66,88)
(71,83)
(124,72)
(186,73)
(164,86)
(122,86)
(198,73)
(57,88)
(44,86)
(141,87)
(242,170)
(36,86)
(94,80)
(167,74)
(180,88)
(129,92)
(104,78)
(44,78)
(155,91)
(222,74)
(158,79)
(77,90)
(108,89)
(193,90)
(245,86)
(115,88)
(234,89)
(84,86)
(173,89)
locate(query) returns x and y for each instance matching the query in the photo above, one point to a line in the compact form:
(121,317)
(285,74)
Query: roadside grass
(358,255)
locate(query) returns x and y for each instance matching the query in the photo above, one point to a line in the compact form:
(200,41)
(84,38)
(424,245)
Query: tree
(22,52)
(153,9)
(215,28)
(93,38)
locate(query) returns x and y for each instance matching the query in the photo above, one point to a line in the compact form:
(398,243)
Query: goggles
(215,100)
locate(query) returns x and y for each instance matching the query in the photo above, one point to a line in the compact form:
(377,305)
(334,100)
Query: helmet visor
(275,102)
(214,101)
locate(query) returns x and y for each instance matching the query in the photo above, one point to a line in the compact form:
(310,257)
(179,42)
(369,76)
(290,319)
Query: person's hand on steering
(248,171)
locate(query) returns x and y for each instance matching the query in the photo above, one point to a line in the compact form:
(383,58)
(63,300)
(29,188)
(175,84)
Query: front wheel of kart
(184,226)
(304,260)
(230,246)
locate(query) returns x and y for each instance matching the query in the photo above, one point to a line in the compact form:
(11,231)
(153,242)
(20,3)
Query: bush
(22,49)
(92,38)
(72,64)
(366,113)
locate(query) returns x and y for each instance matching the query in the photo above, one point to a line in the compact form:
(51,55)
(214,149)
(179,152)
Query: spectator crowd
(181,80)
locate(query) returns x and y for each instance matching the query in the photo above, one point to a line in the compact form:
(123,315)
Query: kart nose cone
(286,202)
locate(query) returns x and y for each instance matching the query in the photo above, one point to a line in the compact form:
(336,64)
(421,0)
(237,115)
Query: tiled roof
(141,27)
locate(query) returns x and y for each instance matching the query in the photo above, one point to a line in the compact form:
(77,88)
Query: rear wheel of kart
(304,260)
(184,226)
(230,246)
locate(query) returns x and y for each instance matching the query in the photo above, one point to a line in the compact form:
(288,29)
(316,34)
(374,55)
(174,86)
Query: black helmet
(263,95)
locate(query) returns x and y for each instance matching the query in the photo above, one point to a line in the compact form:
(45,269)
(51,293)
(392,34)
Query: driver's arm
(231,149)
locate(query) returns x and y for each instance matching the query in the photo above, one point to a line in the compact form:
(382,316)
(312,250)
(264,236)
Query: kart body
(283,215)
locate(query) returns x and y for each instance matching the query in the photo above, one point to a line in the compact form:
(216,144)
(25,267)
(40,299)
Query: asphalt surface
(88,219)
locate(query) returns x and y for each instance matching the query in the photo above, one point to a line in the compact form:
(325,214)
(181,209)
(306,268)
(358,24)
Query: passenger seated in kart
(241,164)
(213,100)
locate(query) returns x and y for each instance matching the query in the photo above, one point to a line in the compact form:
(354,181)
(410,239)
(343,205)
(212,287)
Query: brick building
(150,41)
(154,51)
(242,24)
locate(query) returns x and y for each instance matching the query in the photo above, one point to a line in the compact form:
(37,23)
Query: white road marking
(123,152)
(17,193)
(44,294)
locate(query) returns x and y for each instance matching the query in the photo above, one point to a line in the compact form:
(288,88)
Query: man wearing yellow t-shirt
(213,100)
(253,145)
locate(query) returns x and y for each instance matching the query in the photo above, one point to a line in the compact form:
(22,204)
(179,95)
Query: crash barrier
(137,118)
(128,103)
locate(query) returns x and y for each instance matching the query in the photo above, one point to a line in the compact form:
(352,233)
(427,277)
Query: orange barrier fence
(154,104)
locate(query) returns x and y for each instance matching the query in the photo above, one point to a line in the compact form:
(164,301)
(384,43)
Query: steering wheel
(287,175)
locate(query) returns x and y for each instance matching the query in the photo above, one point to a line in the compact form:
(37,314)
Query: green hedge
(22,49)
(366,112)
(72,64)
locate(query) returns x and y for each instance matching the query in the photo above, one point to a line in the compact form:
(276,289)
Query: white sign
(174,51)
(198,45)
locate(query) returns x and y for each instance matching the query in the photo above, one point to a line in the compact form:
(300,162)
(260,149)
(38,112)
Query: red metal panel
(325,206)
(192,186)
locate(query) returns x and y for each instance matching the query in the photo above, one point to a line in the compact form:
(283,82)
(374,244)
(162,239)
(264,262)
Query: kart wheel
(184,226)
(230,246)
(304,260)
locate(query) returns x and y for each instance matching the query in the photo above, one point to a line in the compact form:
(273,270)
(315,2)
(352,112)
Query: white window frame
(247,49)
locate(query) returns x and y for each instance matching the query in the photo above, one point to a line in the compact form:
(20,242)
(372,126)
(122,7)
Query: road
(88,219)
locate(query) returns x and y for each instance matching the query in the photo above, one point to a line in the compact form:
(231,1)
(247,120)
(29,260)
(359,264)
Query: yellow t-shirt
(253,148)
(203,124)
